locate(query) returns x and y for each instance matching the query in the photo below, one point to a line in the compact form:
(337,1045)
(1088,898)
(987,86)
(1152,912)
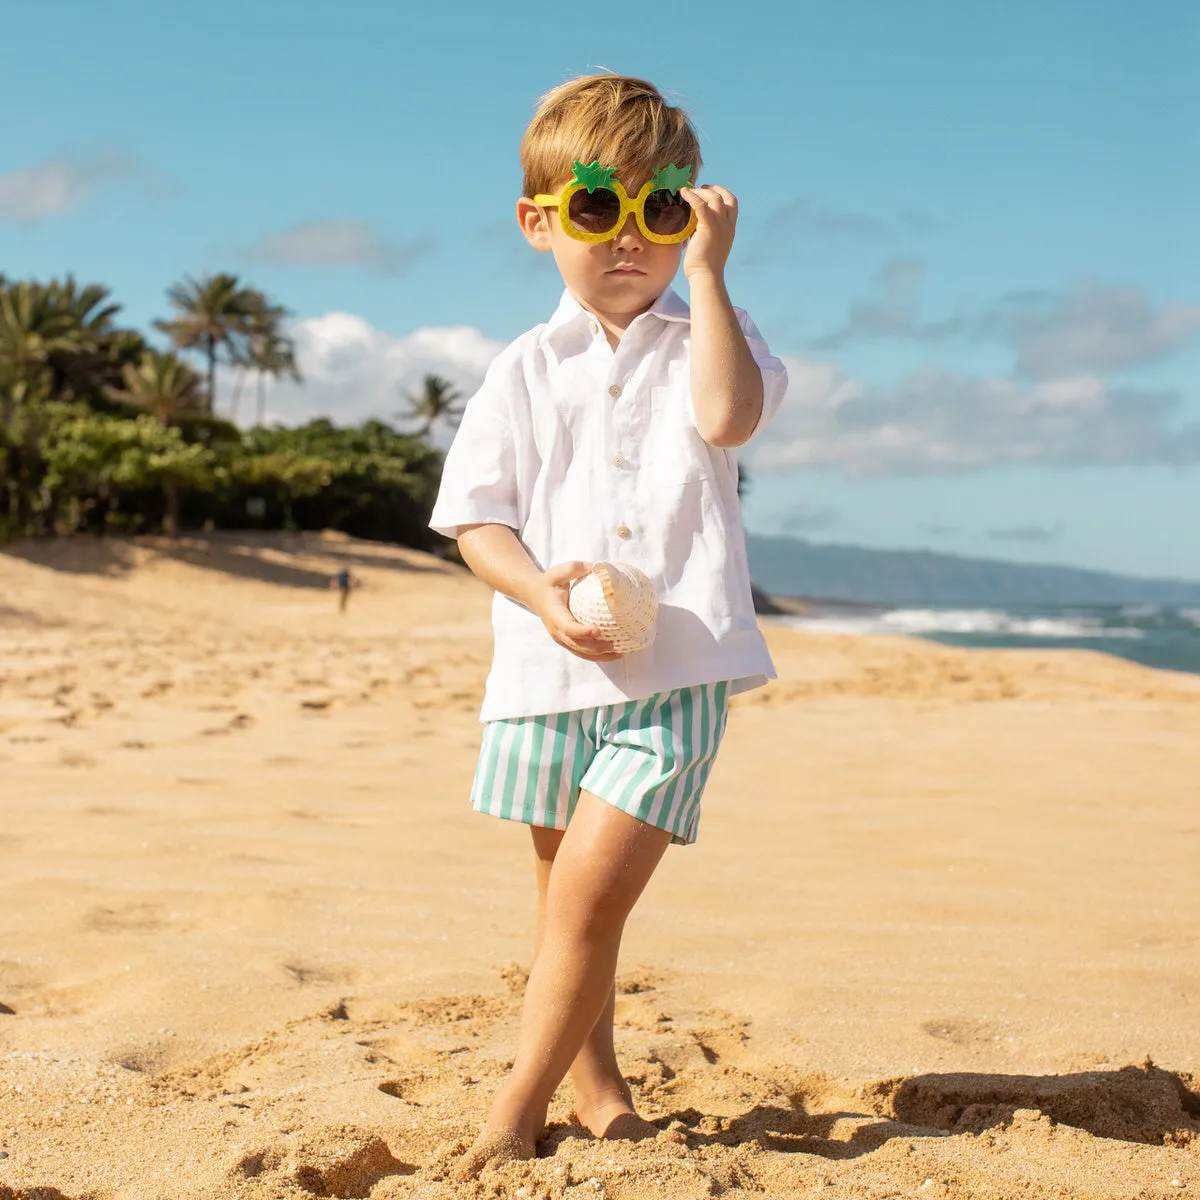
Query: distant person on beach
(345,582)
(607,435)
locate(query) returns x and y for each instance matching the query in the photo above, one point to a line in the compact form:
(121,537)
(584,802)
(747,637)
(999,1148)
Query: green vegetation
(102,432)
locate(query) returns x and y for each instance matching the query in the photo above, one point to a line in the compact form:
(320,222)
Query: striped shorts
(650,758)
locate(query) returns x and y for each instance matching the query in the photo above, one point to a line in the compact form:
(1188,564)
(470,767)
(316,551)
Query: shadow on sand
(1134,1104)
(243,555)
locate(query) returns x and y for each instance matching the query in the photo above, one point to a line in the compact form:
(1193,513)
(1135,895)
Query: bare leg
(602,864)
(603,1100)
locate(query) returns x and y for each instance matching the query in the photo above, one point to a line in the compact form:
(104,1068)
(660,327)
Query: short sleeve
(774,373)
(479,476)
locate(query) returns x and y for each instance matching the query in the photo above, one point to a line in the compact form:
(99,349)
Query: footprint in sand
(332,1162)
(313,975)
(958,1031)
(70,759)
(1135,1104)
(240,721)
(147,1059)
(128,918)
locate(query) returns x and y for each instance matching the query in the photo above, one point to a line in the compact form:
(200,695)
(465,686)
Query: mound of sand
(937,939)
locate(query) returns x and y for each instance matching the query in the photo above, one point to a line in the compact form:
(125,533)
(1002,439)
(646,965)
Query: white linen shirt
(590,453)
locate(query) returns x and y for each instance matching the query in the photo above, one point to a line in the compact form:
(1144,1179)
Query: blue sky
(969,229)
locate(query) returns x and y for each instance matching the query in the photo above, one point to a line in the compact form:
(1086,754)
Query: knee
(592,919)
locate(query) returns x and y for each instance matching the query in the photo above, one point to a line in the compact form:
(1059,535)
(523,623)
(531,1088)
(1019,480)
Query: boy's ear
(534,223)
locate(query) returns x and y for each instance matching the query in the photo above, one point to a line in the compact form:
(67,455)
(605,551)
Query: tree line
(102,431)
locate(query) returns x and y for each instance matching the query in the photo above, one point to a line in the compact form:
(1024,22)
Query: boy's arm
(727,385)
(495,554)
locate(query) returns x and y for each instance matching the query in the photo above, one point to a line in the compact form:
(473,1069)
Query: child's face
(621,277)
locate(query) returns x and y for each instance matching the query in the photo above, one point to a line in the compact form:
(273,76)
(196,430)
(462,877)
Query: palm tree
(213,315)
(34,328)
(97,351)
(267,351)
(170,390)
(87,307)
(437,401)
(36,332)
(59,338)
(162,384)
(271,354)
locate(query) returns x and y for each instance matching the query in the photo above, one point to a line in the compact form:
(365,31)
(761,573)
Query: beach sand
(939,936)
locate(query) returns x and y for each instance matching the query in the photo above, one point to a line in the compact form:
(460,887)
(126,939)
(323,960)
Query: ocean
(1156,636)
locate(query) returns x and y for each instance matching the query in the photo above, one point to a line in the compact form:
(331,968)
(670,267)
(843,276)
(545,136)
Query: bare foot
(610,1114)
(492,1148)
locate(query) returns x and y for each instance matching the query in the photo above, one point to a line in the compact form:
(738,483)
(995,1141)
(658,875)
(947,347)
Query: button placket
(623,422)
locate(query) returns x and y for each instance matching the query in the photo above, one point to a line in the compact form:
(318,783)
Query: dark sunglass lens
(594,212)
(666,213)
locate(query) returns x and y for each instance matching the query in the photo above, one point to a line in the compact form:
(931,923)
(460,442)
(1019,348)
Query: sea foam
(985,621)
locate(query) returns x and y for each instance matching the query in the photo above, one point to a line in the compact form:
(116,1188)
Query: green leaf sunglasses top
(671,178)
(592,176)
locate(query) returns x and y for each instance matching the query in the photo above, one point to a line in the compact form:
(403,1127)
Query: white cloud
(1087,328)
(353,370)
(931,422)
(58,185)
(894,310)
(339,243)
(1093,326)
(935,421)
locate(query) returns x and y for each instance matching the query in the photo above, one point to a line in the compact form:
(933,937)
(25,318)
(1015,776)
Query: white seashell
(620,601)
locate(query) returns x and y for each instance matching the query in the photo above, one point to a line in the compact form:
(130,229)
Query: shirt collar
(570,315)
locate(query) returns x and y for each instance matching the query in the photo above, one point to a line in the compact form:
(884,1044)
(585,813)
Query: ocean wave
(983,621)
(1192,615)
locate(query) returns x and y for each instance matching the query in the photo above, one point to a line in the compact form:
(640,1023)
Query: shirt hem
(600,697)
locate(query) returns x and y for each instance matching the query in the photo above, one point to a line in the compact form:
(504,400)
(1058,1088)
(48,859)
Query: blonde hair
(622,121)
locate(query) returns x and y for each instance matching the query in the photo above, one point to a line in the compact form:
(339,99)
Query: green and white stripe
(650,758)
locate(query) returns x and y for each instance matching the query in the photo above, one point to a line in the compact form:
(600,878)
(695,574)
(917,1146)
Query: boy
(607,434)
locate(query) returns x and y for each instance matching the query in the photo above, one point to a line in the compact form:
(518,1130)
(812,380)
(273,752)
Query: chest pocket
(673,451)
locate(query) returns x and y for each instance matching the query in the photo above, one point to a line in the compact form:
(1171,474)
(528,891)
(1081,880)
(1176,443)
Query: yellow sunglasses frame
(637,206)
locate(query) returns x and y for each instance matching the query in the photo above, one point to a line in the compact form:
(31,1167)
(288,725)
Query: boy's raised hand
(551,603)
(716,210)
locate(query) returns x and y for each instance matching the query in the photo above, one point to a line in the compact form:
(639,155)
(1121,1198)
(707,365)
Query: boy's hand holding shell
(598,611)
(619,600)
(551,602)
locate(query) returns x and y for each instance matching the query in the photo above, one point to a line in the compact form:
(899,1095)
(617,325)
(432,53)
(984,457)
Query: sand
(938,938)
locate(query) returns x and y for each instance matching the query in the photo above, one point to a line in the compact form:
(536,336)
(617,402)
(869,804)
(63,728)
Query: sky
(970,230)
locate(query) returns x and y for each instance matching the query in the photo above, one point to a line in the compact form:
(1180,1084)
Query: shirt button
(614,391)
(595,327)
(623,531)
(618,460)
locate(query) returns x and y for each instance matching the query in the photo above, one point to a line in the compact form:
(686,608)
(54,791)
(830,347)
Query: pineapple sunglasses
(593,206)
